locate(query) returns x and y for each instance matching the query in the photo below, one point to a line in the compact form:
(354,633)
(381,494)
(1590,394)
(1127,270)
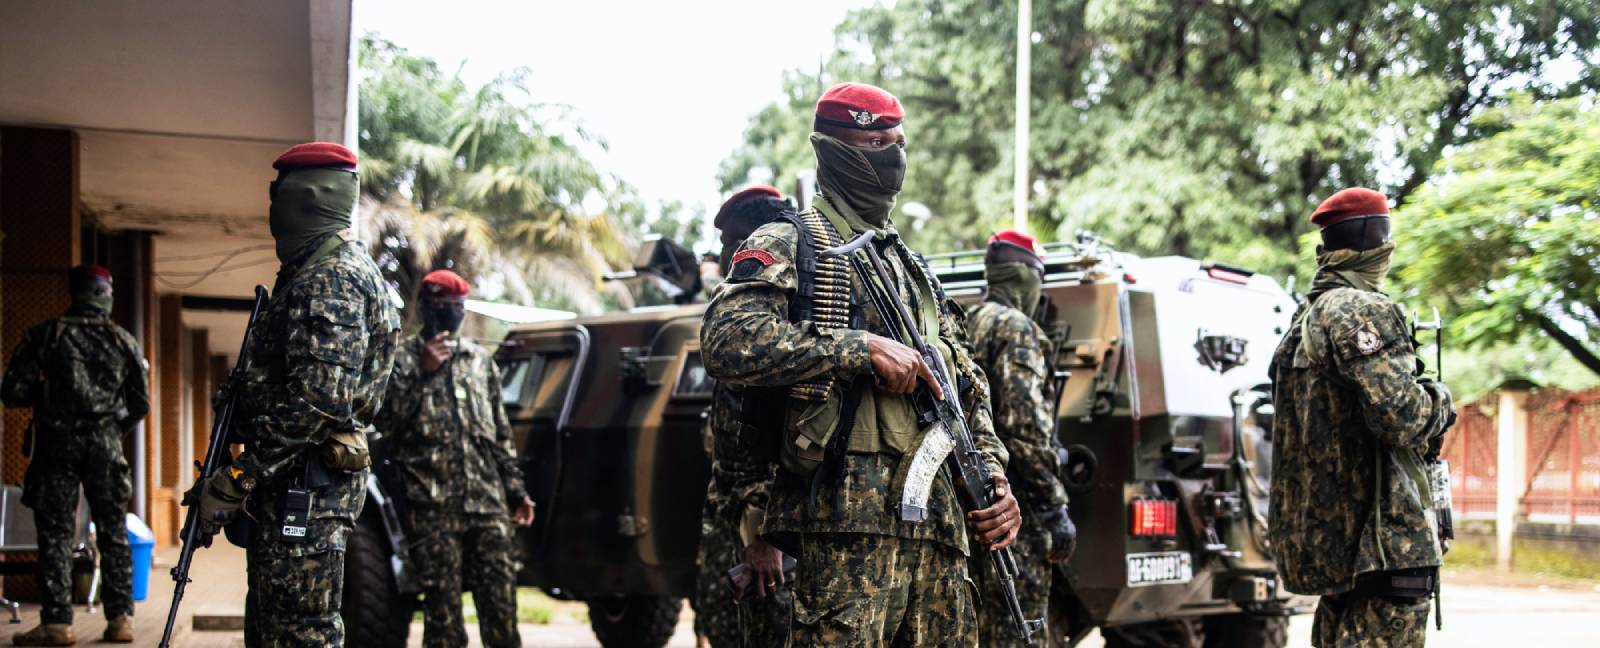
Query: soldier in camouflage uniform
(1011,349)
(84,377)
(1351,511)
(741,473)
(451,439)
(319,362)
(865,576)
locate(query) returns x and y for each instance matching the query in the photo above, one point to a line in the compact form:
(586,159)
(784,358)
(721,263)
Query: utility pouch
(346,451)
(296,515)
(1401,586)
(240,531)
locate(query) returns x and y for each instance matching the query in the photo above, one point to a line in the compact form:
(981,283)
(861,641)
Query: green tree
(1507,235)
(482,180)
(1200,128)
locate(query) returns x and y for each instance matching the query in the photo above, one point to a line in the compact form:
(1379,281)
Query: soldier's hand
(1063,535)
(765,563)
(997,525)
(220,499)
(899,367)
(523,516)
(435,352)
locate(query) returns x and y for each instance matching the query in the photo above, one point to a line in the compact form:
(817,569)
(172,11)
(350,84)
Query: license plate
(1159,568)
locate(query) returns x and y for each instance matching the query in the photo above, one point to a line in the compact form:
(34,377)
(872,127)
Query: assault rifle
(975,486)
(1438,468)
(217,455)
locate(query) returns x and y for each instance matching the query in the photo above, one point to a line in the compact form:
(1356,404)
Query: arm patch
(749,262)
(1365,339)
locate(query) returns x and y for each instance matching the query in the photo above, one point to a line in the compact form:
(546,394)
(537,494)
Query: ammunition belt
(830,298)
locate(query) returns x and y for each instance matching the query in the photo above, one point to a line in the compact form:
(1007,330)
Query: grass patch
(1545,561)
(532,607)
(1470,552)
(1531,558)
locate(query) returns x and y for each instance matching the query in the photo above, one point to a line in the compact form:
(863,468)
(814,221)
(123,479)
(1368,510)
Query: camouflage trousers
(1351,621)
(455,552)
(94,460)
(1033,585)
(864,590)
(296,589)
(754,623)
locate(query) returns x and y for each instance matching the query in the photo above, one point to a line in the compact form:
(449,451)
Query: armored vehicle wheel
(375,613)
(1246,631)
(1178,633)
(633,621)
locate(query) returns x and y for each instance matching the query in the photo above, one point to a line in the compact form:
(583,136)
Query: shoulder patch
(1365,338)
(763,256)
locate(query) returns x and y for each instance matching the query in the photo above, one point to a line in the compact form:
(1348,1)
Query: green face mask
(1014,284)
(1364,269)
(96,300)
(864,180)
(308,204)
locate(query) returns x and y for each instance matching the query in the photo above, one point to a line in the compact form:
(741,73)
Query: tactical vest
(817,420)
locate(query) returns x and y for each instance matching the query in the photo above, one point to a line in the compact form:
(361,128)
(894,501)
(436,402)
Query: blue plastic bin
(141,542)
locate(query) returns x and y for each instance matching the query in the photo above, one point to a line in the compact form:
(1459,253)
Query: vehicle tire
(1177,633)
(634,621)
(1246,631)
(375,613)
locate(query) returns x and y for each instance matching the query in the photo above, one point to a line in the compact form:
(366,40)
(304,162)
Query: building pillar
(39,216)
(1511,479)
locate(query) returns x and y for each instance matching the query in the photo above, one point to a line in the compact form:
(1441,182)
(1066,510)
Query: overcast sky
(670,85)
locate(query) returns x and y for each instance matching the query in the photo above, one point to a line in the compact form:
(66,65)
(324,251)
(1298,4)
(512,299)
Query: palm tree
(484,179)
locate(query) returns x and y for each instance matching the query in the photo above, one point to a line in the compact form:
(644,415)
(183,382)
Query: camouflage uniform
(84,377)
(451,439)
(1009,346)
(319,362)
(864,576)
(1350,497)
(741,474)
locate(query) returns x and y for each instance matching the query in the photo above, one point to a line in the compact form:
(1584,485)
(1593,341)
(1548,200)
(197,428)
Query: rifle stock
(216,451)
(975,486)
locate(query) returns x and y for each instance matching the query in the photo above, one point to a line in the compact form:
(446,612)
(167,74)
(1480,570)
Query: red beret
(444,283)
(1018,239)
(315,154)
(1354,202)
(88,272)
(858,105)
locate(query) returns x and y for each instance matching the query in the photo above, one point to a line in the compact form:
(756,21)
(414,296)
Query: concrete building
(140,135)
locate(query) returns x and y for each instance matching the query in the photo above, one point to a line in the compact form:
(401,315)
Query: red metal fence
(1563,451)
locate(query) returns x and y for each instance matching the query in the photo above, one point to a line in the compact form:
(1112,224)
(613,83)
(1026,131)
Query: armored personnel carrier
(1161,366)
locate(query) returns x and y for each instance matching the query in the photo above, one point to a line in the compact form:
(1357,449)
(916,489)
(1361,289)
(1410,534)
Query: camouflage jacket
(1349,487)
(747,340)
(78,372)
(319,362)
(449,433)
(1009,346)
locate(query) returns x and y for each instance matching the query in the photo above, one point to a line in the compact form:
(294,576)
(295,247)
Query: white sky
(669,85)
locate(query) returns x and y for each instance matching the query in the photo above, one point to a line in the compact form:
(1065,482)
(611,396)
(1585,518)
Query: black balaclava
(307,205)
(744,219)
(442,315)
(1359,234)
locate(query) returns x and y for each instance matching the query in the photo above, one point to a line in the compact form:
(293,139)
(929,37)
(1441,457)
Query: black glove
(1063,535)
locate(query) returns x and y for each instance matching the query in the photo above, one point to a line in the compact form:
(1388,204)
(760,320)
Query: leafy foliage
(482,180)
(1507,235)
(1201,128)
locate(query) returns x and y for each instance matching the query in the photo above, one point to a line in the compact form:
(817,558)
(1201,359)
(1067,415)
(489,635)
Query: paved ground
(1482,610)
